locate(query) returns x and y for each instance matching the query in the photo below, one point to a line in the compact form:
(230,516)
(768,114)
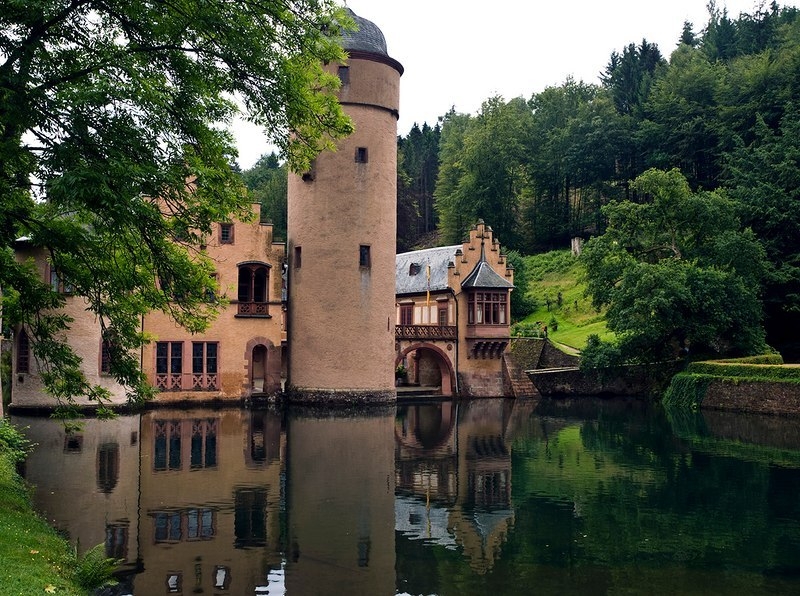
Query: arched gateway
(428,365)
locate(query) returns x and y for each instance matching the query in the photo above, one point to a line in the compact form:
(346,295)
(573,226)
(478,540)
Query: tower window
(361,155)
(58,284)
(298,257)
(364,256)
(226,233)
(105,357)
(344,75)
(23,352)
(310,174)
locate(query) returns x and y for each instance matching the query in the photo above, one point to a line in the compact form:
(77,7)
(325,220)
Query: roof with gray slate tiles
(417,283)
(367,38)
(483,276)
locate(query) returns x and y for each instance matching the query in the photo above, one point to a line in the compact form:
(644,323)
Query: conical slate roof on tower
(366,38)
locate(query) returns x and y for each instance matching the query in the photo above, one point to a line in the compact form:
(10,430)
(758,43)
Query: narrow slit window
(105,357)
(311,173)
(298,257)
(362,156)
(344,75)
(364,256)
(23,353)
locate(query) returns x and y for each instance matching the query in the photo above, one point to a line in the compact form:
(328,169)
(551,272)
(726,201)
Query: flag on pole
(428,296)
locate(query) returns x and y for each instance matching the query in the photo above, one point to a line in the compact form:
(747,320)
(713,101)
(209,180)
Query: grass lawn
(559,293)
(35,560)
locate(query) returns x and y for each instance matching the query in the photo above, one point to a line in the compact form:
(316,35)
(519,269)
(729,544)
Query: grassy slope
(35,560)
(554,272)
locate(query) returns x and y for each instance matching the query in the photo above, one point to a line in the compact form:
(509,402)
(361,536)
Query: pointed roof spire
(483,276)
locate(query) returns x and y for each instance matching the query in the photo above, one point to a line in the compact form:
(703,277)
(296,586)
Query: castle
(333,316)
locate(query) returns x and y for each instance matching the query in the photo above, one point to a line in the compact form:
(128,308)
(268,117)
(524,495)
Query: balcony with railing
(252,309)
(187,382)
(425,332)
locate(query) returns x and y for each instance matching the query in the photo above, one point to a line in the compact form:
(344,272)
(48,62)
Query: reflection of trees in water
(604,487)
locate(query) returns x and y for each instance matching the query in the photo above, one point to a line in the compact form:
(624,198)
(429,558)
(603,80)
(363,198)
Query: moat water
(481,497)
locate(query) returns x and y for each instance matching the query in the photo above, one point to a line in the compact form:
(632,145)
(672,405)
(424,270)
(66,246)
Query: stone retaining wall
(766,397)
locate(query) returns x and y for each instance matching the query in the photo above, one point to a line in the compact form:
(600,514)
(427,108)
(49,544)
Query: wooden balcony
(425,332)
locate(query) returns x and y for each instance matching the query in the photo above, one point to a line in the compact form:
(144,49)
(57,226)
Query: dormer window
(414,269)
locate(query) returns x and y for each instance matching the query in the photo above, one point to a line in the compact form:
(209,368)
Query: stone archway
(262,367)
(258,370)
(431,362)
(422,427)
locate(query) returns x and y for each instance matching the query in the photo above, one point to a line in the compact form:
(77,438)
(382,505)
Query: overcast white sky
(461,52)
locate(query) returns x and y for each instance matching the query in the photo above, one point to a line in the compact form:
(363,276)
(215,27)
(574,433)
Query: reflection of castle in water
(241,502)
(203,501)
(190,500)
(453,474)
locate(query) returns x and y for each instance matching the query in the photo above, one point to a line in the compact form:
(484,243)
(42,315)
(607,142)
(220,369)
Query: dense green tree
(522,304)
(451,193)
(417,170)
(116,158)
(677,270)
(687,35)
(765,180)
(490,164)
(681,128)
(628,76)
(268,182)
(557,150)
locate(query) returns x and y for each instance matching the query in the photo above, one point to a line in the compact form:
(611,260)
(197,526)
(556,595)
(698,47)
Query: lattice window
(169,366)
(204,366)
(488,308)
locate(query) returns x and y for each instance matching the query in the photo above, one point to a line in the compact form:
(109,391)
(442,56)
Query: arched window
(253,292)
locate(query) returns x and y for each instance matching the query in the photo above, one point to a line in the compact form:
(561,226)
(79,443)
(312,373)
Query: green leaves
(115,156)
(677,270)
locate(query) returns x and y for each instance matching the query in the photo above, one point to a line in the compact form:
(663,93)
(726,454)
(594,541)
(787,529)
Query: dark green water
(484,497)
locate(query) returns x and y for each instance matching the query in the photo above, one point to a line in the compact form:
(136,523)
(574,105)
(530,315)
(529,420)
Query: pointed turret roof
(483,276)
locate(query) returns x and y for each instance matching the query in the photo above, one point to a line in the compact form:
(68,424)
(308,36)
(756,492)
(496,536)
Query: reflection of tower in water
(454,475)
(340,502)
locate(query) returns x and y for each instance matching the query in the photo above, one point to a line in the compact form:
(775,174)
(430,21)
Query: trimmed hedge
(688,389)
(760,359)
(744,371)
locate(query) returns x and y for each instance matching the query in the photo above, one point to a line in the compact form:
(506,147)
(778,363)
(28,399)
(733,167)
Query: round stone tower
(341,241)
